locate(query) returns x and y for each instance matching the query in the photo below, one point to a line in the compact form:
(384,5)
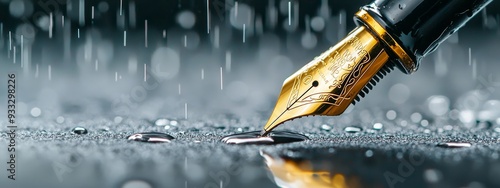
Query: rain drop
(353,129)
(79,130)
(151,137)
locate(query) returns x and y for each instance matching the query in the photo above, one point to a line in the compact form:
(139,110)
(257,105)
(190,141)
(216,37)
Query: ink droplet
(253,137)
(151,137)
(353,129)
(454,145)
(79,130)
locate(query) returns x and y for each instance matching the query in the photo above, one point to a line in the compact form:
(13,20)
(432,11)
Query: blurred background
(200,70)
(227,56)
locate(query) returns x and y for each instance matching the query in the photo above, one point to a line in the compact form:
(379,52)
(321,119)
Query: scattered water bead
(369,153)
(454,145)
(399,93)
(254,137)
(424,123)
(174,123)
(35,112)
(391,115)
(60,119)
(151,137)
(326,127)
(353,129)
(432,175)
(118,119)
(161,122)
(416,117)
(378,126)
(136,184)
(490,111)
(438,105)
(79,130)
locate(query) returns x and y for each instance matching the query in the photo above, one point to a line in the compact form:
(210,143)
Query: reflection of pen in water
(390,34)
(290,173)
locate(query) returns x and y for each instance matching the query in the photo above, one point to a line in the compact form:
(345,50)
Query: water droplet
(369,153)
(136,184)
(326,127)
(391,115)
(438,105)
(416,117)
(174,123)
(378,126)
(151,137)
(161,122)
(35,112)
(402,6)
(118,119)
(399,93)
(239,129)
(352,129)
(79,130)
(253,137)
(424,123)
(60,119)
(454,145)
(432,175)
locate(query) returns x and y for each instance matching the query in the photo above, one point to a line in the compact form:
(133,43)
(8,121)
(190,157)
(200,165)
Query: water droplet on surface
(136,184)
(161,122)
(35,112)
(369,153)
(352,129)
(438,105)
(454,145)
(402,6)
(174,123)
(416,117)
(318,24)
(151,137)
(253,137)
(118,119)
(79,130)
(391,115)
(399,93)
(424,123)
(378,126)
(432,175)
(60,119)
(326,127)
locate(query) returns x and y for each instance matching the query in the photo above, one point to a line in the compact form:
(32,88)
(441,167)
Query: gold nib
(329,83)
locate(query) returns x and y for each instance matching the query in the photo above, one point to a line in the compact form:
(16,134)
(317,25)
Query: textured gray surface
(50,156)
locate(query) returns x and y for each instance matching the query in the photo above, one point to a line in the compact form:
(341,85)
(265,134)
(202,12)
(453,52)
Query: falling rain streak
(146,33)
(208,16)
(145,71)
(221,80)
(124,38)
(185,111)
(50,72)
(244,33)
(289,13)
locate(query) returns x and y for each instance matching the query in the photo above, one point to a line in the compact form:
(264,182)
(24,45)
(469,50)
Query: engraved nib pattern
(328,84)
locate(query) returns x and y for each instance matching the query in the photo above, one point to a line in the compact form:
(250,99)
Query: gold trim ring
(408,64)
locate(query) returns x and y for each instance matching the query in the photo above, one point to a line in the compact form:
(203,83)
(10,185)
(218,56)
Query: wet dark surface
(254,137)
(377,156)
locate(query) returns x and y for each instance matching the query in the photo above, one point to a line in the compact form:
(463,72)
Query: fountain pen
(389,34)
